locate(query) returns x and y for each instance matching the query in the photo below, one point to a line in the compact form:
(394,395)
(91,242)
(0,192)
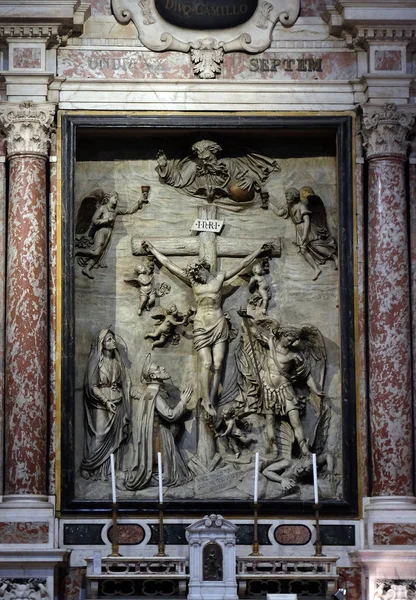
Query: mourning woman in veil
(107,390)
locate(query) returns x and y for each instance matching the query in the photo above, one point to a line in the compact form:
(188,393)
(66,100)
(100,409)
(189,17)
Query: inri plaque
(206,14)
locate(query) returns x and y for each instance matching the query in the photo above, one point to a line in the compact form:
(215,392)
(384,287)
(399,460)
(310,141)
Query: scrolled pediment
(206,28)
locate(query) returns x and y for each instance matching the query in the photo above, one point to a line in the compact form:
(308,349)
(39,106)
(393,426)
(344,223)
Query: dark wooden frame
(340,127)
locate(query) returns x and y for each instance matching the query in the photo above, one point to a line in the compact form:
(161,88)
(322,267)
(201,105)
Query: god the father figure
(211,329)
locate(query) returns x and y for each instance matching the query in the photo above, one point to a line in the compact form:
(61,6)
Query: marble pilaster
(412,218)
(3,205)
(385,131)
(27,127)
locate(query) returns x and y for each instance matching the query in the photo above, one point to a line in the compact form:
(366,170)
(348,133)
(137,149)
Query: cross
(206,245)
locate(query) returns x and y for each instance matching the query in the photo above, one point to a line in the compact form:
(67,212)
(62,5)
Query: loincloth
(209,336)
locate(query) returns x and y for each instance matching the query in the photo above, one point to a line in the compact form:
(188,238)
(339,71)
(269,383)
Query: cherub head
(228,412)
(140,269)
(172,310)
(258,269)
(144,269)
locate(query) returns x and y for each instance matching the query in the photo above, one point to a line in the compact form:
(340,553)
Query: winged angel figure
(95,222)
(168,319)
(313,238)
(281,369)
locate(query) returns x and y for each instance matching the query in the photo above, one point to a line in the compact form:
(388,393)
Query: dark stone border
(340,129)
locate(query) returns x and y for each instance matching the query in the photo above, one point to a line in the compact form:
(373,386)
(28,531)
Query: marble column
(27,127)
(385,131)
(3,204)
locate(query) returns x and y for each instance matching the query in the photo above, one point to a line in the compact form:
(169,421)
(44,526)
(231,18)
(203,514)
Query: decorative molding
(51,20)
(27,589)
(207,56)
(211,521)
(392,589)
(207,52)
(27,127)
(385,131)
(361,21)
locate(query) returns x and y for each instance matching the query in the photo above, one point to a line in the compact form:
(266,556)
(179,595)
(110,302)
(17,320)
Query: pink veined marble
(52,320)
(27,58)
(312,8)
(350,579)
(24,533)
(100,7)
(362,326)
(2,297)
(412,205)
(395,534)
(389,329)
(123,64)
(388,60)
(26,328)
(302,66)
(71,583)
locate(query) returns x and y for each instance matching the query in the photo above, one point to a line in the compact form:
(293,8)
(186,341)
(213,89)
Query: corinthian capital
(27,127)
(385,131)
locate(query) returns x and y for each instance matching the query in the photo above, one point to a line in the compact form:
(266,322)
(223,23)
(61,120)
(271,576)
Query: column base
(389,503)
(390,522)
(26,500)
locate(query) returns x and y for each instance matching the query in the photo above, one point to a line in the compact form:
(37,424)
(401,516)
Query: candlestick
(114,542)
(315,479)
(256,477)
(161,545)
(318,545)
(159,470)
(113,478)
(255,545)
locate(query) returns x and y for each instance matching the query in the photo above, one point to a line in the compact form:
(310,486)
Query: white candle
(113,478)
(256,477)
(315,478)
(159,469)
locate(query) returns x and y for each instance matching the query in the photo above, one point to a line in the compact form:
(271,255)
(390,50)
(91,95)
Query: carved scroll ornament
(206,46)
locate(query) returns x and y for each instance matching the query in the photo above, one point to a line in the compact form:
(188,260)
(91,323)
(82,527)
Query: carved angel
(234,429)
(95,222)
(259,288)
(168,319)
(313,238)
(281,368)
(148,290)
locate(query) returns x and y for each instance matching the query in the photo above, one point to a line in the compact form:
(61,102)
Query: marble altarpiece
(210,292)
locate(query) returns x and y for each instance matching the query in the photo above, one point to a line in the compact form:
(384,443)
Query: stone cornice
(384,19)
(42,18)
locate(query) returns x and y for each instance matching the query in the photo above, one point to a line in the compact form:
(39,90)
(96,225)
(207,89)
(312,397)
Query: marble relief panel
(206,319)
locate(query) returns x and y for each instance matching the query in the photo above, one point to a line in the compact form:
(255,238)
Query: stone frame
(339,127)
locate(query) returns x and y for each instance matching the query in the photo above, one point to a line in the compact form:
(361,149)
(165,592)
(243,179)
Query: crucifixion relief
(238,341)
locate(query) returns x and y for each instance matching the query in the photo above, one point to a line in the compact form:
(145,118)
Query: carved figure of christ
(211,330)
